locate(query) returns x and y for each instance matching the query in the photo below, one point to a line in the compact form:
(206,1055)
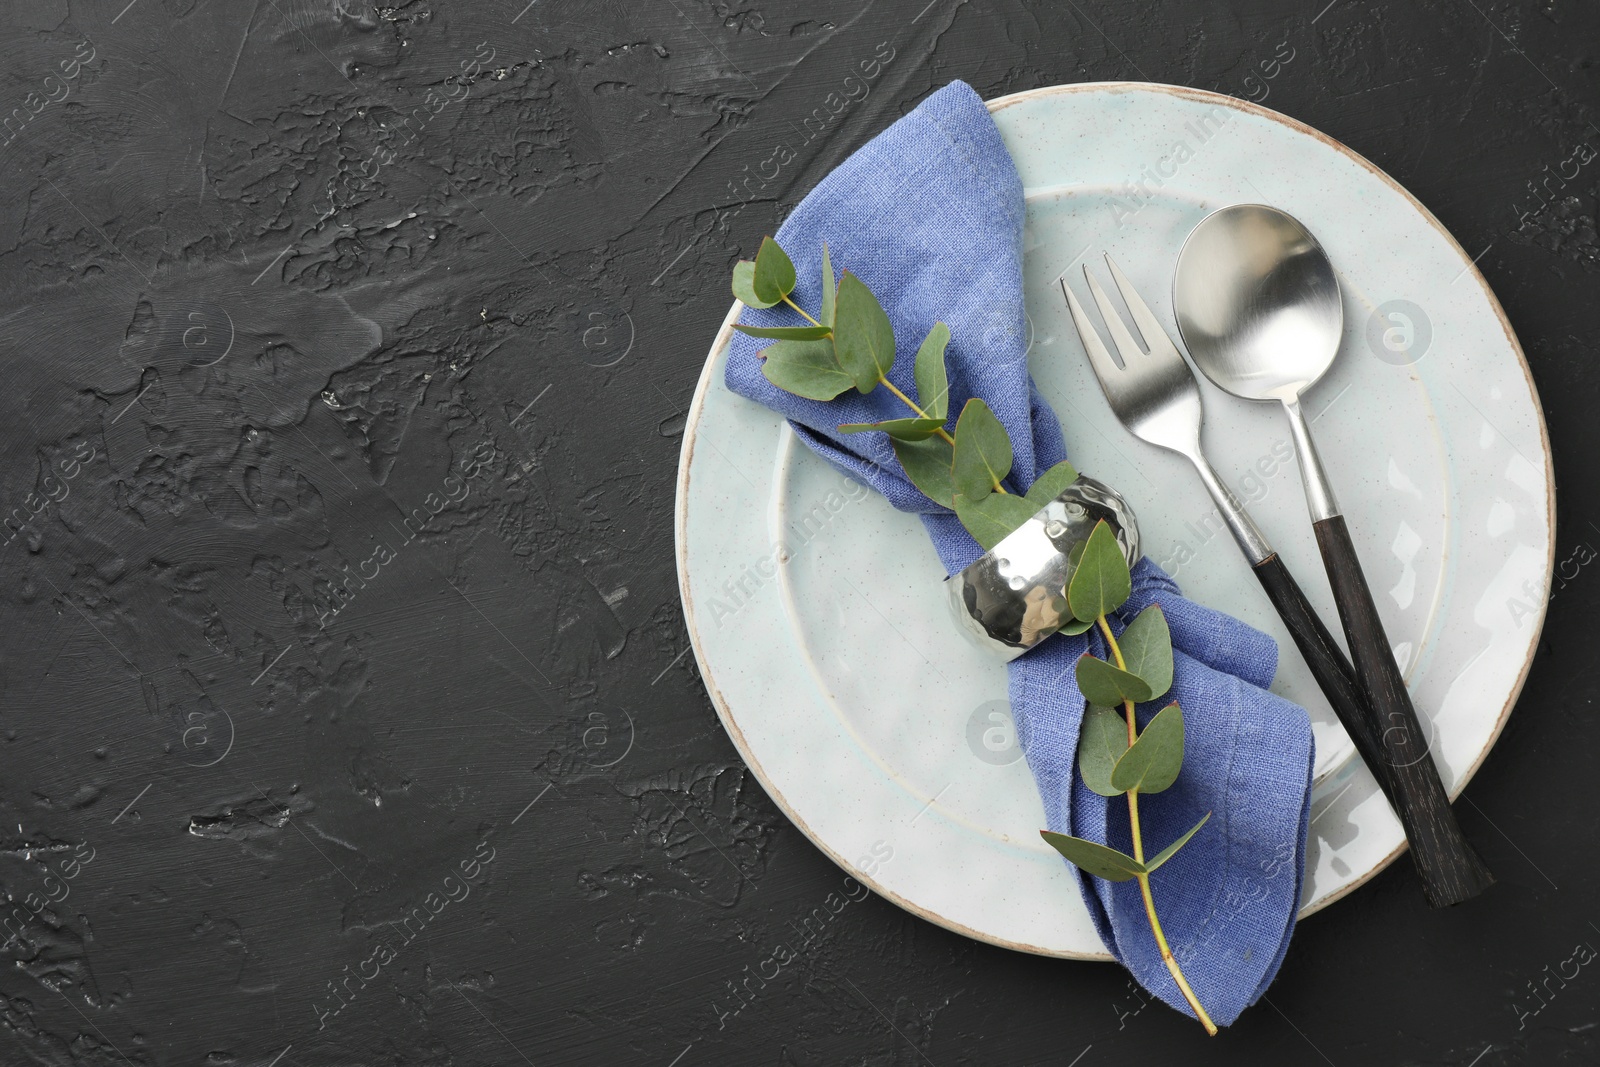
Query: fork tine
(1105,369)
(1156,338)
(1127,347)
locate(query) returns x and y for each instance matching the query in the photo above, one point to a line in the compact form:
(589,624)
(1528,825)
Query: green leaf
(1172,850)
(828,288)
(989,518)
(1101,582)
(1098,860)
(1076,626)
(744,290)
(862,337)
(774,274)
(784,333)
(1101,683)
(1147,649)
(1101,742)
(805,368)
(1152,763)
(1075,556)
(927,464)
(933,388)
(1050,483)
(983,451)
(900,429)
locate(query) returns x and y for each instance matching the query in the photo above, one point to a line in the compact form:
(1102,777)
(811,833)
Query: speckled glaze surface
(817,612)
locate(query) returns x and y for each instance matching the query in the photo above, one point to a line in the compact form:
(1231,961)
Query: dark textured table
(347,717)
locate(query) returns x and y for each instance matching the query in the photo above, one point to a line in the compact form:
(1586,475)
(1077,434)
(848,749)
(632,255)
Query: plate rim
(724,335)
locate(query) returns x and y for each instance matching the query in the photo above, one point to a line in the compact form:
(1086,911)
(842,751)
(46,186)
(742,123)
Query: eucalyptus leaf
(927,464)
(744,290)
(784,333)
(1172,850)
(1153,761)
(991,517)
(983,451)
(1074,627)
(1101,584)
(933,387)
(1048,486)
(1147,649)
(863,339)
(1098,860)
(828,287)
(1102,683)
(1102,740)
(805,368)
(900,429)
(774,274)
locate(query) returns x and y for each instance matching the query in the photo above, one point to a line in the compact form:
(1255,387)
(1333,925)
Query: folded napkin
(930,215)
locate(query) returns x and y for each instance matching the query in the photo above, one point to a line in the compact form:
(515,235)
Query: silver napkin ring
(1014,596)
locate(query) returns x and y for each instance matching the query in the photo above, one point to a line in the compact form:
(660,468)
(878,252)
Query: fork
(1156,397)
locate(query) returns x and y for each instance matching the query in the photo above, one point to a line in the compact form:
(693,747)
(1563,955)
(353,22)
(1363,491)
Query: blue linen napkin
(930,215)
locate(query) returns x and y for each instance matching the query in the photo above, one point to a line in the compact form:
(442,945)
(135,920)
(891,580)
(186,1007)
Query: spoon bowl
(1257,303)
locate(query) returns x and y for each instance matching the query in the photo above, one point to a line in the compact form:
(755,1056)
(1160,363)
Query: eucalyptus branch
(1114,756)
(850,343)
(1138,850)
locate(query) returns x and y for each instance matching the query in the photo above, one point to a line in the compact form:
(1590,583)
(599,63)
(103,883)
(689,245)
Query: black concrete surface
(345,714)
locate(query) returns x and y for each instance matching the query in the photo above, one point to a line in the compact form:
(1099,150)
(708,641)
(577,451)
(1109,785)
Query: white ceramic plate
(886,737)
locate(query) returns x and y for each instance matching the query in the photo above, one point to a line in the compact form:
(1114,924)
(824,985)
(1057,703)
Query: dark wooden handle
(1327,661)
(1451,872)
(1330,667)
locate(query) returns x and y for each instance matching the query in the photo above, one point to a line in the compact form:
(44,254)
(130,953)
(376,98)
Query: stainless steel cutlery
(1155,395)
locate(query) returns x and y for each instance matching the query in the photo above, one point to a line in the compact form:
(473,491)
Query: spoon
(1258,304)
